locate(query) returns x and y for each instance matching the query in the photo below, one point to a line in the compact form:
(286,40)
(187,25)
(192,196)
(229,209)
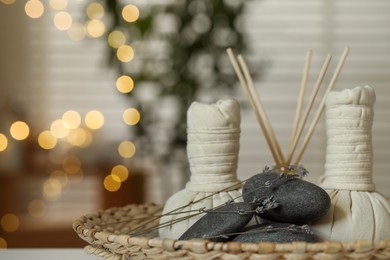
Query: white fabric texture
(212,149)
(357,212)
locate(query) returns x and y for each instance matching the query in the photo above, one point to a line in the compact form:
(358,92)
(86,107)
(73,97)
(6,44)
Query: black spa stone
(277,233)
(300,201)
(229,218)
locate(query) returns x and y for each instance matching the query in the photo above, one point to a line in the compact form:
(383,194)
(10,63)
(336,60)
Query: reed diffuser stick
(260,108)
(302,91)
(308,108)
(241,78)
(321,106)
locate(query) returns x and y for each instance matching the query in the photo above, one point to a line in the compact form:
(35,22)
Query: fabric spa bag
(357,211)
(212,147)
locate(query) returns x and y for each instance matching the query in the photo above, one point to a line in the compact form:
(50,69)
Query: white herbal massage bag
(212,148)
(357,211)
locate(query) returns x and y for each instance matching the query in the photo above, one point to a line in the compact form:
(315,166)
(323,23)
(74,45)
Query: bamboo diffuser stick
(322,106)
(242,71)
(301,96)
(308,108)
(260,108)
(252,103)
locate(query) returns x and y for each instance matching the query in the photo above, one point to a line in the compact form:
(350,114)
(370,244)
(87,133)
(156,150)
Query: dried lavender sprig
(267,229)
(267,184)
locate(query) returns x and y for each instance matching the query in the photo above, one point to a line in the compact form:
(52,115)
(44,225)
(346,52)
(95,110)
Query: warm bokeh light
(19,130)
(130,13)
(125,53)
(47,140)
(71,164)
(95,11)
(60,176)
(76,32)
(121,172)
(34,8)
(78,137)
(88,140)
(8,2)
(37,208)
(3,142)
(71,119)
(95,28)
(112,183)
(124,84)
(63,21)
(3,243)
(116,39)
(59,129)
(131,116)
(58,4)
(52,189)
(126,149)
(94,119)
(10,222)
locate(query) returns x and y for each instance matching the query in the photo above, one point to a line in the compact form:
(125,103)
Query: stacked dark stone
(300,203)
(284,205)
(227,219)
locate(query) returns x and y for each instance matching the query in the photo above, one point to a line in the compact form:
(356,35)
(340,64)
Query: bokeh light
(34,9)
(116,39)
(130,13)
(8,2)
(19,130)
(3,243)
(71,164)
(58,4)
(71,119)
(3,142)
(126,149)
(131,116)
(47,140)
(52,189)
(63,21)
(125,53)
(94,119)
(61,176)
(78,137)
(58,128)
(95,28)
(124,84)
(95,11)
(76,32)
(10,222)
(121,172)
(37,208)
(112,183)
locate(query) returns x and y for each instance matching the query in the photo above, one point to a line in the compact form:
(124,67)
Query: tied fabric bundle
(357,212)
(212,149)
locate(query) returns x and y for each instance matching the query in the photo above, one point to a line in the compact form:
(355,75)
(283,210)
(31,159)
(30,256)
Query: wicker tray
(111,242)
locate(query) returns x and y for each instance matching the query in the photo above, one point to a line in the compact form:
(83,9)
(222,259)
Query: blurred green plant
(180,56)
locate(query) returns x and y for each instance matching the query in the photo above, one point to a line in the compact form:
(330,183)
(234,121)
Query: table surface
(46,254)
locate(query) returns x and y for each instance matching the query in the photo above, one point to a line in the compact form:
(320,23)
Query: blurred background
(94,96)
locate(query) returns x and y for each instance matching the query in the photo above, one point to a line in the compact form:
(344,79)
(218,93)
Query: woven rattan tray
(106,232)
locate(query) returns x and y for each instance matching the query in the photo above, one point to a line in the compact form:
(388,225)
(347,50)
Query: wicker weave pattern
(111,242)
